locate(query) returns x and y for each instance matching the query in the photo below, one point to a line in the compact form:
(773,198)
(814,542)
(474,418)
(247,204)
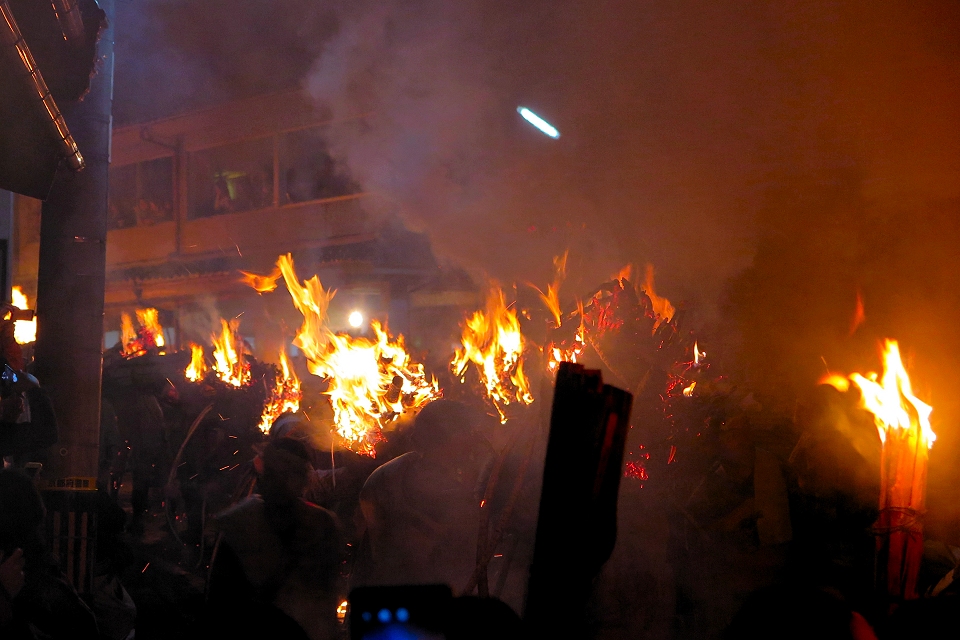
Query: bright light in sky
(355,319)
(538,122)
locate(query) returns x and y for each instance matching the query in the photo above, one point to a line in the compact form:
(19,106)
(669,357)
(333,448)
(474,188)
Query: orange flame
(24,331)
(557,354)
(626,273)
(149,319)
(312,300)
(128,334)
(891,401)
(261,284)
(889,397)
(837,381)
(137,342)
(552,297)
(698,355)
(196,371)
(371,382)
(492,341)
(228,360)
(284,397)
(661,306)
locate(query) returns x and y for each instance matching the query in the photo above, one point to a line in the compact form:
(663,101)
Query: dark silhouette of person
(277,568)
(421,509)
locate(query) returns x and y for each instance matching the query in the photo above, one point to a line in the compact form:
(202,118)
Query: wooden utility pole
(70,288)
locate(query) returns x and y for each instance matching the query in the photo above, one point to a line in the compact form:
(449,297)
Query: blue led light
(402,615)
(384,615)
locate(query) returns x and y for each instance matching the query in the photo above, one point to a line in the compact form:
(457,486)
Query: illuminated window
(141,194)
(232,178)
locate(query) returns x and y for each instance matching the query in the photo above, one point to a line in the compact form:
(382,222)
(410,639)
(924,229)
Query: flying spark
(545,127)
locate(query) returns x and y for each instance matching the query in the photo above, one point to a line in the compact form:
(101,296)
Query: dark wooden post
(576,529)
(70,289)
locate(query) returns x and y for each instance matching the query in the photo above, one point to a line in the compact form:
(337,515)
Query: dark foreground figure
(276,573)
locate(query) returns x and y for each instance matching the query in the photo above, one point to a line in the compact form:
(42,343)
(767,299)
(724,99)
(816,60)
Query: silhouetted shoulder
(389,475)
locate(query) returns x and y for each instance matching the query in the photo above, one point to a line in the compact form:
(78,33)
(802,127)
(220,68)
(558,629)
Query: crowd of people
(282,555)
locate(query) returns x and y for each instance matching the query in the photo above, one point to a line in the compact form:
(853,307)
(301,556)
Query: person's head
(284,468)
(446,433)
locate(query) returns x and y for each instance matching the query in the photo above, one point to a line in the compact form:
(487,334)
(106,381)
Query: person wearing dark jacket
(277,568)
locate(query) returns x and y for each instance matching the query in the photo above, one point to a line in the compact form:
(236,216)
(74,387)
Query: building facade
(196,198)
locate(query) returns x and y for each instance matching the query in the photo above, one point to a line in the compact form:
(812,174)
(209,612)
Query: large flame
(371,382)
(24,331)
(889,397)
(492,341)
(261,284)
(137,342)
(196,371)
(284,397)
(149,319)
(312,300)
(228,361)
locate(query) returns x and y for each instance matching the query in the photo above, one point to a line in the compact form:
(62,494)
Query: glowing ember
(261,284)
(688,391)
(371,382)
(196,371)
(228,360)
(24,331)
(492,341)
(284,397)
(342,610)
(137,342)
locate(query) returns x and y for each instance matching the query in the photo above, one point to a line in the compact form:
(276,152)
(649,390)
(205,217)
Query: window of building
(141,194)
(307,169)
(236,177)
(123,197)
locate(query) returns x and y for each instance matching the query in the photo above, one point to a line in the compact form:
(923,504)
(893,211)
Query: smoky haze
(771,159)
